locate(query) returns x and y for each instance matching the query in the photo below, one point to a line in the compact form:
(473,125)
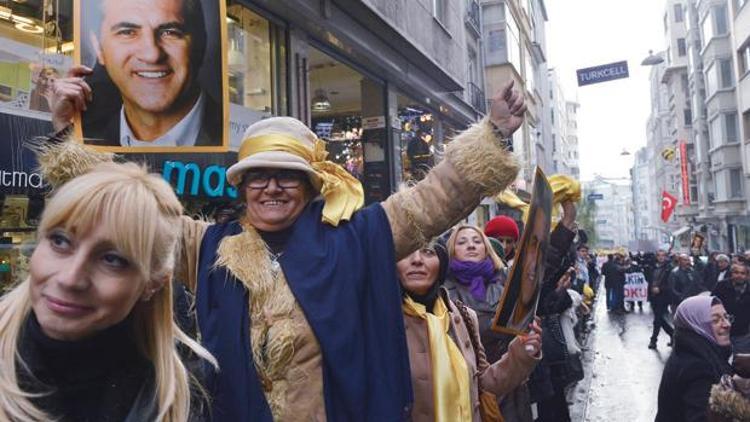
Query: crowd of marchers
(702,303)
(306,305)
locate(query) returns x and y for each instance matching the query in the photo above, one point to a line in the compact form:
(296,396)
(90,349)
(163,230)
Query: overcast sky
(613,115)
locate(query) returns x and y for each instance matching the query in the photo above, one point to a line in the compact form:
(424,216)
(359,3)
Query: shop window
(418,139)
(256,58)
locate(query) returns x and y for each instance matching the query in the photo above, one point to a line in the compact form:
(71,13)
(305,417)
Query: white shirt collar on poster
(183,134)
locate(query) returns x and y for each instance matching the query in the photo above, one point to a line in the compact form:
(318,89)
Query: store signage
(684,173)
(191,179)
(595,196)
(377,122)
(21,179)
(603,73)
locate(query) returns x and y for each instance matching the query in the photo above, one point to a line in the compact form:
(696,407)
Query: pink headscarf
(694,313)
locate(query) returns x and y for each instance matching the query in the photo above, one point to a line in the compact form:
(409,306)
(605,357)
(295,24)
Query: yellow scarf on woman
(450,373)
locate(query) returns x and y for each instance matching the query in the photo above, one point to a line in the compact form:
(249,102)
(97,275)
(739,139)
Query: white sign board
(636,287)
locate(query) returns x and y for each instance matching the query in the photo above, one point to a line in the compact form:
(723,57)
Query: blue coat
(344,279)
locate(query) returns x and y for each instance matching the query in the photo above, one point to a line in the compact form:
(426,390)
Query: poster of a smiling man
(159,79)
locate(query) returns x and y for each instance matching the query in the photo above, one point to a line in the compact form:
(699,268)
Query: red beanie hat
(501,226)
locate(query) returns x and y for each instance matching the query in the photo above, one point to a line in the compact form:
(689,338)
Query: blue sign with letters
(595,196)
(603,73)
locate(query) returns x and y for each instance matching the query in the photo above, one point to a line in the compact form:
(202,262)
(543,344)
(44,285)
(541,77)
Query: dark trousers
(610,298)
(554,409)
(660,320)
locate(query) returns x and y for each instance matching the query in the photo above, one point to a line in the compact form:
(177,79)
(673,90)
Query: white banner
(636,287)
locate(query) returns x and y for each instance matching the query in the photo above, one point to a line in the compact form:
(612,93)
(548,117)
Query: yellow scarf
(342,192)
(450,373)
(564,188)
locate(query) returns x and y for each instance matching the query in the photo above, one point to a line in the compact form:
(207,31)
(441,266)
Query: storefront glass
(31,56)
(348,114)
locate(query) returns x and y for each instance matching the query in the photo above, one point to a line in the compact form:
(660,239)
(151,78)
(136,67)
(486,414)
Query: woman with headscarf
(299,300)
(699,360)
(448,364)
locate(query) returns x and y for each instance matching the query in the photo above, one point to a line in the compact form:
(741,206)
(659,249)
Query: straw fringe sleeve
(729,404)
(475,166)
(61,159)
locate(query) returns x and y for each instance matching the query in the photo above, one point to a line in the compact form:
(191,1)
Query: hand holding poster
(517,307)
(159,76)
(636,287)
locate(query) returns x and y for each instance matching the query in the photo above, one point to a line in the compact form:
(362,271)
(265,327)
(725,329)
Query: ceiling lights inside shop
(320,101)
(21,23)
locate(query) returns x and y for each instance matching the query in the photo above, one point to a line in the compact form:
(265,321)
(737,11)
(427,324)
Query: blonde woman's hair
(487,245)
(141,212)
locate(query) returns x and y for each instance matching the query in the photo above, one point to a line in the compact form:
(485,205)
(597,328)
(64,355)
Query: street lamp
(652,59)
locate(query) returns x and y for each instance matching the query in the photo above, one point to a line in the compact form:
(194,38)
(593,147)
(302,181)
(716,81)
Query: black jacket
(735,304)
(660,279)
(694,366)
(685,283)
(101,378)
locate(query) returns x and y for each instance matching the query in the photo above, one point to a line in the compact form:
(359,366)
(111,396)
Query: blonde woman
(89,336)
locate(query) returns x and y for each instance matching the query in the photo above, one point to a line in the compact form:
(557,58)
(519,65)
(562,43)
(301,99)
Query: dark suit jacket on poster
(104,130)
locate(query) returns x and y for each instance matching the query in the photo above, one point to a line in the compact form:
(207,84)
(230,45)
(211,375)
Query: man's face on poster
(145,47)
(532,261)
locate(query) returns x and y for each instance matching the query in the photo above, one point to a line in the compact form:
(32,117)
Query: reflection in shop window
(256,58)
(418,139)
(31,57)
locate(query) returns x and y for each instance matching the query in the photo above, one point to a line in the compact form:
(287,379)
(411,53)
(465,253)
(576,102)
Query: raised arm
(477,164)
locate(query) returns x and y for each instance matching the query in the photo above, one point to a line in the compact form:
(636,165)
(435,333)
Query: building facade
(383,82)
(614,218)
(514,45)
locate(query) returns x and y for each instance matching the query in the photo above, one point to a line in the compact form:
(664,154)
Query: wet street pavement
(622,374)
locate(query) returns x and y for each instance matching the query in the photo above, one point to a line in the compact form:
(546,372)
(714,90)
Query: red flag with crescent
(668,202)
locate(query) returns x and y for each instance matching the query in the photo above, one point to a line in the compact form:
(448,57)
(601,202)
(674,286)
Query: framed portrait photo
(160,80)
(517,307)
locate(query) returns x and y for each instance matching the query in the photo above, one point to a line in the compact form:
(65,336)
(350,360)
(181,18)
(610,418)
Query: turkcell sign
(603,73)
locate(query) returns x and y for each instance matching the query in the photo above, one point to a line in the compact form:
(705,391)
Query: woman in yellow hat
(299,300)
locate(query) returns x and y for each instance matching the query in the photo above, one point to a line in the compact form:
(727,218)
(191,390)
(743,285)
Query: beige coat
(474,166)
(499,378)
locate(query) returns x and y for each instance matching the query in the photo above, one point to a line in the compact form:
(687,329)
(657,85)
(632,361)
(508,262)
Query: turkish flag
(668,202)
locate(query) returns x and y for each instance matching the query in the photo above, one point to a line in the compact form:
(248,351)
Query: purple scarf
(475,275)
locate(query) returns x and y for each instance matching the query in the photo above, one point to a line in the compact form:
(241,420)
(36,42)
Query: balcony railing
(472,17)
(476,96)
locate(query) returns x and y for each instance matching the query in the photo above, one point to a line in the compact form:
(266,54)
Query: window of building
(715,23)
(678,13)
(725,67)
(529,71)
(681,47)
(716,133)
(735,183)
(440,10)
(720,19)
(687,115)
(493,13)
(744,58)
(746,124)
(514,43)
(731,127)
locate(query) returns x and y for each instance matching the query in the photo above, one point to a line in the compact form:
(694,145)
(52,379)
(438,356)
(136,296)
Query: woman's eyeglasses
(716,319)
(285,179)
